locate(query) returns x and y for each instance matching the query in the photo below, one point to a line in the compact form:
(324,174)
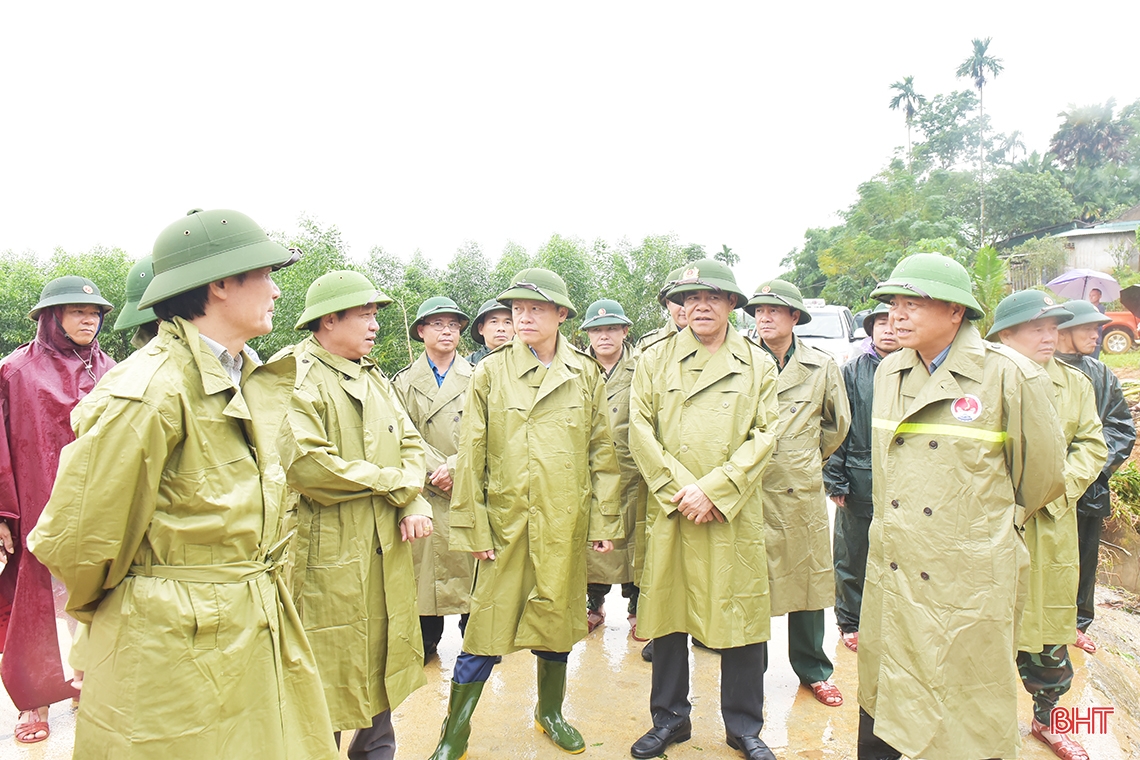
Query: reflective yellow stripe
(962,431)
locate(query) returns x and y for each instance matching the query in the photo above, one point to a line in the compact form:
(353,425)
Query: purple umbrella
(1077,283)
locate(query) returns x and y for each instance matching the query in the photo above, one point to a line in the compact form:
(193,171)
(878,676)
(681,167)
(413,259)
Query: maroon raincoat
(40,383)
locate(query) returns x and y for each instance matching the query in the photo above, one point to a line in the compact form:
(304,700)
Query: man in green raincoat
(357,462)
(675,311)
(536,478)
(1076,342)
(702,420)
(492,328)
(433,389)
(814,418)
(1027,322)
(144,321)
(607,327)
(165,522)
(965,447)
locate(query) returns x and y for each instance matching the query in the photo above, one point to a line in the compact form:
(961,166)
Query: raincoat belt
(231,572)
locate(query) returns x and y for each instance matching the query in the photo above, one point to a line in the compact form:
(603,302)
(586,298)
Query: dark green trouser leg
(849,548)
(596,595)
(1088,533)
(805,646)
(1047,675)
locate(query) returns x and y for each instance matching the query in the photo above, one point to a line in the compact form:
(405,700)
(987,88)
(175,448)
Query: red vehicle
(1119,335)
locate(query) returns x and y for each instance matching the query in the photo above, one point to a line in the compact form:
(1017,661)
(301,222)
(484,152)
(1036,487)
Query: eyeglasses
(439,325)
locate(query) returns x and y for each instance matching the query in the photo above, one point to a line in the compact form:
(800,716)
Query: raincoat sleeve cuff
(418,506)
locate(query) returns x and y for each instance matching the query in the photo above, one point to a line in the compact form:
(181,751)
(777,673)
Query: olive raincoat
(165,525)
(960,457)
(354,457)
(40,383)
(617,566)
(814,418)
(1050,616)
(443,577)
(707,419)
(537,477)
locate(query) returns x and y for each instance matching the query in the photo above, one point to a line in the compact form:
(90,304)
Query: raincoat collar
(967,356)
(1056,372)
(688,344)
(349,369)
(622,361)
(568,364)
(421,377)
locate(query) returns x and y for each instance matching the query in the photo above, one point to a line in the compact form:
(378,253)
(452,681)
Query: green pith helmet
(488,306)
(1026,306)
(605,312)
(931,275)
(880,309)
(539,285)
(1084,313)
(205,246)
(778,293)
(336,291)
(669,281)
(137,280)
(69,289)
(706,274)
(432,307)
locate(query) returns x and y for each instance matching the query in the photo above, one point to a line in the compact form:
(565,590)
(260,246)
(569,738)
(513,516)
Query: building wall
(1096,251)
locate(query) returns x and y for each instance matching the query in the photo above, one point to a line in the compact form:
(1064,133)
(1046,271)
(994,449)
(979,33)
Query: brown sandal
(825,691)
(850,640)
(594,618)
(1063,747)
(26,732)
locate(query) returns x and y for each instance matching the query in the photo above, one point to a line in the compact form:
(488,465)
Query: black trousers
(377,742)
(741,685)
(870,746)
(1088,536)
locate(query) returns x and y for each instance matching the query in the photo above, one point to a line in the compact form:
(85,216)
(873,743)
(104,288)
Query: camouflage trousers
(1047,675)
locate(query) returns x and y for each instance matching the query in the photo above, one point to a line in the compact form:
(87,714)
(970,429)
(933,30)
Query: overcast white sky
(423,125)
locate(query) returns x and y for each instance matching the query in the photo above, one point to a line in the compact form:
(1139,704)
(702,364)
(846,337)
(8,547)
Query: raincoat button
(684,447)
(934,444)
(899,441)
(615,410)
(304,361)
(895,503)
(894,566)
(391,428)
(688,404)
(927,511)
(791,490)
(728,468)
(567,465)
(924,576)
(724,404)
(379,551)
(533,510)
(792,410)
(455,419)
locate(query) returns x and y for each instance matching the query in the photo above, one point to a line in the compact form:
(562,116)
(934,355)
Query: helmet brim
(347,301)
(933,290)
(224,262)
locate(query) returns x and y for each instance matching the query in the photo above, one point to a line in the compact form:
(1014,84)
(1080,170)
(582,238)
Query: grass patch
(1121,361)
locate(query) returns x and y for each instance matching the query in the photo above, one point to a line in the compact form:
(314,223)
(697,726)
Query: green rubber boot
(548,712)
(456,728)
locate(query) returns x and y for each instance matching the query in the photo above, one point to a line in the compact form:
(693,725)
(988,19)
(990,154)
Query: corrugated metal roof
(1108,228)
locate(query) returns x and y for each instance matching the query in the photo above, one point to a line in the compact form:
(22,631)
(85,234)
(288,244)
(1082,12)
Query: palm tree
(976,67)
(1011,145)
(1090,136)
(910,101)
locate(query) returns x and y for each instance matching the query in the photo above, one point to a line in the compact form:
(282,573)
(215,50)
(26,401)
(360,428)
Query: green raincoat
(165,525)
(537,478)
(617,566)
(814,418)
(354,457)
(1050,615)
(443,577)
(707,419)
(960,457)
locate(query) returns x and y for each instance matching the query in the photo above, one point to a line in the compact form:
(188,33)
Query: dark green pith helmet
(539,285)
(706,274)
(435,306)
(1026,306)
(880,309)
(605,312)
(662,295)
(778,293)
(488,306)
(1084,313)
(137,281)
(69,289)
(205,246)
(931,275)
(336,291)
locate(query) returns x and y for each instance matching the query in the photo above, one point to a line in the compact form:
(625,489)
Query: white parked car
(831,329)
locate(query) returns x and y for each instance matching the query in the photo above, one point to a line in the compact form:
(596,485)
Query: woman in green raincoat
(1027,322)
(433,389)
(165,522)
(357,462)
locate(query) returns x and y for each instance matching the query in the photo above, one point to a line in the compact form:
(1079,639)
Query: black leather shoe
(752,747)
(659,737)
(647,651)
